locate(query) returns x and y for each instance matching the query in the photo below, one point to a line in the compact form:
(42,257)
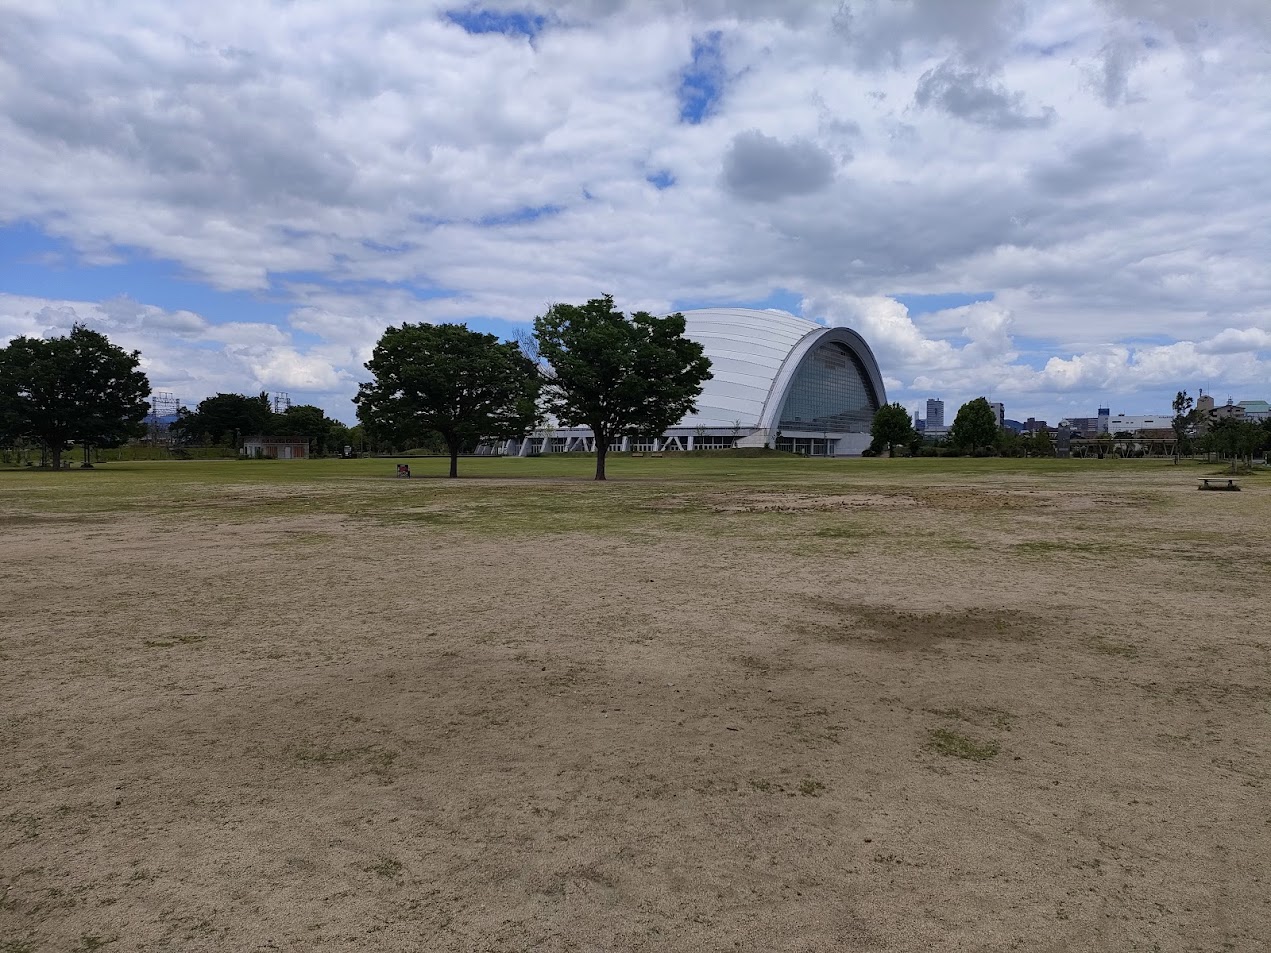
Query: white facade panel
(756,343)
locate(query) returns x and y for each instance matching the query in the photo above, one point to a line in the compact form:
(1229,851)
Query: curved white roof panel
(747,350)
(754,356)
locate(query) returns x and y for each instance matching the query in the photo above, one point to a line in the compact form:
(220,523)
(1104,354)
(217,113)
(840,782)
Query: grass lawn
(715,703)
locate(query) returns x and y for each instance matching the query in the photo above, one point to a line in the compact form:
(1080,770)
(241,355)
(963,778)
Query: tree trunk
(453,446)
(602,447)
(56,451)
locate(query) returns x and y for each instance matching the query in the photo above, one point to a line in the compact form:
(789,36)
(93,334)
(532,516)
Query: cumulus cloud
(371,162)
(1237,341)
(184,353)
(762,169)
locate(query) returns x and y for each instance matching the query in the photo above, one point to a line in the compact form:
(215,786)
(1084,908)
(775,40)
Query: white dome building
(779,381)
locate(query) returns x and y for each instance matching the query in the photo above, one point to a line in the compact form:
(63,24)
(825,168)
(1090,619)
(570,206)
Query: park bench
(1219,484)
(637,453)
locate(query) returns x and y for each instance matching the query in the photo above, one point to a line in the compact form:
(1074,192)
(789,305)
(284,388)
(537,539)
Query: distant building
(778,381)
(1256,409)
(276,448)
(935,413)
(1228,409)
(1032,425)
(999,413)
(1084,426)
(1140,423)
(1103,420)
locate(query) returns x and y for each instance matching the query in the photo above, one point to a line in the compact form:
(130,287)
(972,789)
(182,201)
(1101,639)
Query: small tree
(74,388)
(448,380)
(1041,445)
(621,377)
(975,426)
(1184,417)
(891,426)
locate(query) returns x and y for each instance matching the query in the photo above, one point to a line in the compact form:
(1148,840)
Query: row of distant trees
(227,419)
(975,430)
(446,386)
(1229,437)
(434,386)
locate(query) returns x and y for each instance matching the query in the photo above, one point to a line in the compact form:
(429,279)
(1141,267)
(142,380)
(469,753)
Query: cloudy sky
(1055,203)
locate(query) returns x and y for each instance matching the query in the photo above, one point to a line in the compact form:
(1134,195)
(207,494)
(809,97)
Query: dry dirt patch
(899,630)
(313,732)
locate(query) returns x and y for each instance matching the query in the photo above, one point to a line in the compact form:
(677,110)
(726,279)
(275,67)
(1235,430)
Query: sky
(1057,204)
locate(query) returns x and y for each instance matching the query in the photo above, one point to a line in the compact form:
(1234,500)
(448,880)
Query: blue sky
(1061,204)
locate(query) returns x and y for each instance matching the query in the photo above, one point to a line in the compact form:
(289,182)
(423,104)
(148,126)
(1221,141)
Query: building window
(714,443)
(831,392)
(808,446)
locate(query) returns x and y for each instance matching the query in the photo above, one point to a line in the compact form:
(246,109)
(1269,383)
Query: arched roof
(754,357)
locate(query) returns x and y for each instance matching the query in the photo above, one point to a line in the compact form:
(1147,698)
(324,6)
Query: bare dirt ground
(963,713)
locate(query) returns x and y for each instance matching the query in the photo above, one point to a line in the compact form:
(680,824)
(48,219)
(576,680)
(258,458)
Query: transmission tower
(282,402)
(162,404)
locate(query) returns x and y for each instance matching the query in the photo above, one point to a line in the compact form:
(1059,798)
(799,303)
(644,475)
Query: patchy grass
(952,744)
(1114,647)
(386,867)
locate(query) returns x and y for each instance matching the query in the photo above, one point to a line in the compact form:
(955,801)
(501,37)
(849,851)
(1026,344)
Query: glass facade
(830,393)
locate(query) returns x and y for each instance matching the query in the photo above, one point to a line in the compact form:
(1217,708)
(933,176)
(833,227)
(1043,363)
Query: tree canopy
(226,418)
(1234,438)
(620,377)
(975,426)
(891,426)
(74,388)
(448,380)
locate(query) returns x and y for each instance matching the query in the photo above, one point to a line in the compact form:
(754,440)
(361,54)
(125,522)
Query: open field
(714,704)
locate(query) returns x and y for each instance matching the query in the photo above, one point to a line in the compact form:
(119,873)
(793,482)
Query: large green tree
(448,380)
(892,426)
(975,426)
(619,376)
(74,388)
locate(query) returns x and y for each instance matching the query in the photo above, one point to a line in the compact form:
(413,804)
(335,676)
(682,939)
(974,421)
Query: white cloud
(1097,164)
(183,353)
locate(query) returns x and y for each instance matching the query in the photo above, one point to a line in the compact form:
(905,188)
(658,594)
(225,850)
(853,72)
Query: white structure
(778,381)
(1255,409)
(1133,423)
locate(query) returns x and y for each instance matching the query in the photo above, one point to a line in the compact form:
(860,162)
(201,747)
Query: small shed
(276,448)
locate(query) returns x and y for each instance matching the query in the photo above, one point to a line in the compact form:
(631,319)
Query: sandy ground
(978,716)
